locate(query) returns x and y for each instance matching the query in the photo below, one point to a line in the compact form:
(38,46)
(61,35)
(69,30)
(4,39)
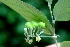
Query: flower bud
(28,25)
(34,24)
(41,24)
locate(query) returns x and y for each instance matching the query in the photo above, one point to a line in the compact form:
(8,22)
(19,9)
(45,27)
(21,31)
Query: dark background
(12,26)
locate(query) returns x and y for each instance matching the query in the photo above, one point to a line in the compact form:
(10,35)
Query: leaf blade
(29,13)
(65,44)
(61,10)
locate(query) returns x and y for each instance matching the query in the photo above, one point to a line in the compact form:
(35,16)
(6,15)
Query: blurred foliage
(12,26)
(65,44)
(61,10)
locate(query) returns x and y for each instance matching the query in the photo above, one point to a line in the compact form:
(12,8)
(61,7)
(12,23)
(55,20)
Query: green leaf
(29,13)
(65,44)
(61,10)
(49,1)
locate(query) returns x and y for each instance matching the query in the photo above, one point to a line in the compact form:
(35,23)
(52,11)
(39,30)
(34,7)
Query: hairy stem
(45,36)
(53,22)
(55,41)
(49,5)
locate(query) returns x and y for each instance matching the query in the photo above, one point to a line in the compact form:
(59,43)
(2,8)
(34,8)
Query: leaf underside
(65,44)
(29,13)
(61,10)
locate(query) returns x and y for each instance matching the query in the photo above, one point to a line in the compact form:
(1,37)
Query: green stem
(55,41)
(45,36)
(49,5)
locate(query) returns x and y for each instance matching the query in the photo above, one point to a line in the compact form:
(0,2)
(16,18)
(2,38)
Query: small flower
(38,38)
(29,41)
(25,31)
(33,29)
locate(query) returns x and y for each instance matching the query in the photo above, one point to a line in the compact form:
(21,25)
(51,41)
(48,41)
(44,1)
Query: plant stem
(49,5)
(45,36)
(55,41)
(49,36)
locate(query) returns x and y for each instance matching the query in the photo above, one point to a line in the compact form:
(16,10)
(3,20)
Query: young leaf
(29,13)
(65,44)
(61,10)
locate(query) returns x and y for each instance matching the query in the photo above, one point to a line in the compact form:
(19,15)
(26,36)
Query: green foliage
(29,13)
(61,10)
(3,10)
(62,37)
(3,37)
(65,44)
(2,24)
(19,28)
(11,17)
